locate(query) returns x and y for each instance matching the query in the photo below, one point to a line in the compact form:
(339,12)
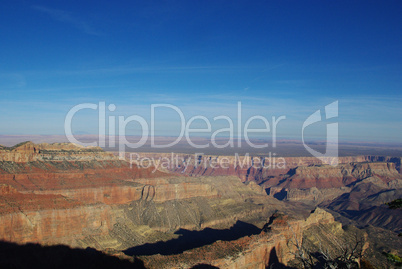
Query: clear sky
(275,57)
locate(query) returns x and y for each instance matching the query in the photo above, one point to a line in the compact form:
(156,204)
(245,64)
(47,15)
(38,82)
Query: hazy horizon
(284,147)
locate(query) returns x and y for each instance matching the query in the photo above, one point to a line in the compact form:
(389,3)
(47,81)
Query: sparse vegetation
(347,254)
(395,204)
(393,258)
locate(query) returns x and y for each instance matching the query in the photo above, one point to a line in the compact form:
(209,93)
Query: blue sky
(276,57)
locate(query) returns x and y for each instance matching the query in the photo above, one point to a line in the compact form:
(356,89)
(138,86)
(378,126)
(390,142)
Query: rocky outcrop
(324,183)
(159,190)
(275,245)
(89,218)
(221,203)
(396,160)
(67,174)
(305,179)
(246,167)
(323,177)
(50,218)
(30,152)
(56,225)
(366,204)
(310,195)
(84,197)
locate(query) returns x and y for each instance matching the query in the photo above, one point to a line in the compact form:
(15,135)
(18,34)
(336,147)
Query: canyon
(251,211)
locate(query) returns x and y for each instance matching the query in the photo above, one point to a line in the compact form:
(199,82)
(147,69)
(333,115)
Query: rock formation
(86,197)
(249,213)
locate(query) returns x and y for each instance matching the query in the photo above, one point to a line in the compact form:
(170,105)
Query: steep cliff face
(396,160)
(30,152)
(321,183)
(49,218)
(85,197)
(186,203)
(312,195)
(274,245)
(56,225)
(127,215)
(308,181)
(357,191)
(246,167)
(270,171)
(366,204)
(60,193)
(32,167)
(277,244)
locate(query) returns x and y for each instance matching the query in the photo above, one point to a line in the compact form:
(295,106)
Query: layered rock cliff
(85,197)
(274,246)
(269,171)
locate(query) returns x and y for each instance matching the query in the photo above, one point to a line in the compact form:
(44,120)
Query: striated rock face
(85,197)
(133,190)
(147,211)
(334,177)
(62,166)
(310,182)
(56,226)
(366,204)
(50,218)
(304,178)
(310,195)
(60,193)
(320,183)
(358,191)
(273,246)
(250,168)
(396,160)
(29,152)
(186,203)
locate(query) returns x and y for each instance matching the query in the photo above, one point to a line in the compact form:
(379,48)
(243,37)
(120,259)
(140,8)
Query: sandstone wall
(55,226)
